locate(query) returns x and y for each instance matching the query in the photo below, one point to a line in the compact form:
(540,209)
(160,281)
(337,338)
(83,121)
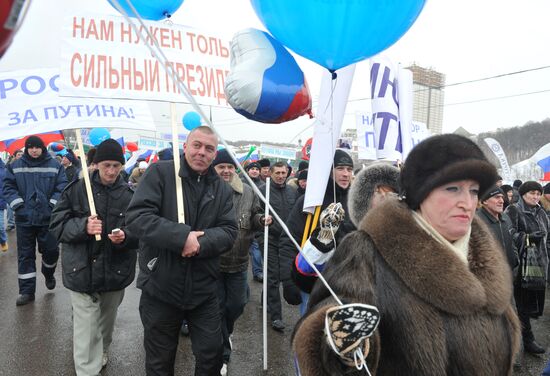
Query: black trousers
(161,326)
(271,272)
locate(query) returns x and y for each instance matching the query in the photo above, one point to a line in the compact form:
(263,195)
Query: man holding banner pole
(179,262)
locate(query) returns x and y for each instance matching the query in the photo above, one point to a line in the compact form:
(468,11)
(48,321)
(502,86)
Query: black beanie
(493,191)
(35,142)
(223,157)
(443,159)
(303,165)
(109,150)
(546,190)
(529,186)
(517,183)
(341,158)
(302,175)
(251,165)
(264,162)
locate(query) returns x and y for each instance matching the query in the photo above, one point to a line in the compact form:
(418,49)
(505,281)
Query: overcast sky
(466,40)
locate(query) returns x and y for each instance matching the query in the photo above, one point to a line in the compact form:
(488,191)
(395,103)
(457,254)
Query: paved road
(37,339)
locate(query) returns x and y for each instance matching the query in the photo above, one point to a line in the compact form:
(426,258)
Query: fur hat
(302,175)
(517,183)
(341,158)
(223,157)
(264,162)
(546,189)
(35,142)
(529,186)
(303,165)
(364,185)
(493,191)
(109,150)
(443,159)
(251,165)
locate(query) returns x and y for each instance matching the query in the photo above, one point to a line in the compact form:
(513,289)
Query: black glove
(536,236)
(291,293)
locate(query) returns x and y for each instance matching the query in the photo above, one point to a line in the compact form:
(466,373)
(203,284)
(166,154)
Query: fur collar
(236,184)
(433,272)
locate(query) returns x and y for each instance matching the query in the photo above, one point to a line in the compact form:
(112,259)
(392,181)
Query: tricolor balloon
(265,83)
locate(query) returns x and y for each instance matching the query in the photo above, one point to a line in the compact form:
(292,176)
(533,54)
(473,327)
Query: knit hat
(252,164)
(302,175)
(341,158)
(109,150)
(223,157)
(517,183)
(443,159)
(35,142)
(492,192)
(529,186)
(143,165)
(70,156)
(264,162)
(303,165)
(364,186)
(546,190)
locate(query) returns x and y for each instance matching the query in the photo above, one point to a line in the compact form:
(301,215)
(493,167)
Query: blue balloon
(150,9)
(98,135)
(337,33)
(191,120)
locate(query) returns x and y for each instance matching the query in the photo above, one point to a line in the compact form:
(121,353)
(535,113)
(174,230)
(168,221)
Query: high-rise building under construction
(429,97)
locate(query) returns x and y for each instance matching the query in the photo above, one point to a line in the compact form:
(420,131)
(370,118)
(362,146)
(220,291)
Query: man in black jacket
(281,198)
(96,272)
(179,262)
(492,213)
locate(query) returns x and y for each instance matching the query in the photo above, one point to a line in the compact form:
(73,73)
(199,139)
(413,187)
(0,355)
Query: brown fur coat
(439,316)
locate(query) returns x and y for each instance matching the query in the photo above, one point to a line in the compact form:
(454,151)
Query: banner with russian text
(102,56)
(495,147)
(30,104)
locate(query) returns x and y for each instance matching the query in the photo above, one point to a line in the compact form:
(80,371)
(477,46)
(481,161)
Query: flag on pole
(542,158)
(12,145)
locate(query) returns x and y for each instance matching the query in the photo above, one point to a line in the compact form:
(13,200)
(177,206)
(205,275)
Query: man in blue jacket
(32,187)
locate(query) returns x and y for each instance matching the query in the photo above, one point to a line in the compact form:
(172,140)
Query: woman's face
(450,208)
(510,195)
(531,198)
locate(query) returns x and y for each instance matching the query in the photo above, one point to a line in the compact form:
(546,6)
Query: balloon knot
(333,73)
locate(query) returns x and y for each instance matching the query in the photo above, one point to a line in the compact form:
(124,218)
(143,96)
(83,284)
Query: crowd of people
(433,267)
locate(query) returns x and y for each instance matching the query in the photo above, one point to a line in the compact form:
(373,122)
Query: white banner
(151,143)
(494,145)
(30,104)
(405,95)
(277,152)
(102,56)
(326,133)
(366,146)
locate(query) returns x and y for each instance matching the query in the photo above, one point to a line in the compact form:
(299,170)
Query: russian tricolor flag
(12,145)
(542,157)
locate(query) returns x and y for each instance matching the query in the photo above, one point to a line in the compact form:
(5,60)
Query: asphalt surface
(36,339)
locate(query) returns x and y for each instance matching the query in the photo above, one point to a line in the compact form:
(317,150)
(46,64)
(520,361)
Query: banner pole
(176,152)
(86,176)
(264,295)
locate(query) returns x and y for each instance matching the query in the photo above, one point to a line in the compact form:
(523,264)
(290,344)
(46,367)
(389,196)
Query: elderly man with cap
(265,168)
(96,272)
(32,187)
(492,213)
(336,192)
(233,291)
(70,163)
(179,262)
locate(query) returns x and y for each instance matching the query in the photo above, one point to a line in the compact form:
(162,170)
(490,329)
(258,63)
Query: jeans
(3,236)
(233,294)
(257,260)
(11,219)
(546,371)
(303,305)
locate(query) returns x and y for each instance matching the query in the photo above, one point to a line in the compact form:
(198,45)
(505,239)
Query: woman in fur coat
(441,285)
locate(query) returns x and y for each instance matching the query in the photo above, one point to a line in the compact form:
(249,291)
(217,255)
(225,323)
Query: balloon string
(158,54)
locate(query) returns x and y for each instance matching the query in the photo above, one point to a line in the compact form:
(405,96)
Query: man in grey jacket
(233,291)
(179,262)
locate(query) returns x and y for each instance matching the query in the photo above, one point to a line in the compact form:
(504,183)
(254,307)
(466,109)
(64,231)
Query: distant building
(429,97)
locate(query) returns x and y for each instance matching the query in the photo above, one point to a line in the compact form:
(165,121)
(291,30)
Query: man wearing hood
(337,191)
(32,187)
